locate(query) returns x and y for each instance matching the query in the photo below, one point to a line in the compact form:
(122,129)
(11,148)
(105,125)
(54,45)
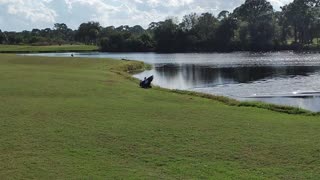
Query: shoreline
(78,49)
(188,52)
(130,69)
(223,99)
(62,51)
(89,117)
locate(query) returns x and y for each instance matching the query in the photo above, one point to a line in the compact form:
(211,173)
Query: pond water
(284,78)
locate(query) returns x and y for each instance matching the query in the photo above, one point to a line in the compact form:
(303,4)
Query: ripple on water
(237,75)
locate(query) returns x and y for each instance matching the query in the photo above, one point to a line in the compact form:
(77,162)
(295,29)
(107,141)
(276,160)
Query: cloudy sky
(28,14)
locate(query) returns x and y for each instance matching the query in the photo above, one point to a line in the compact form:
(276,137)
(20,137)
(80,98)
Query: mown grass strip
(46,49)
(79,118)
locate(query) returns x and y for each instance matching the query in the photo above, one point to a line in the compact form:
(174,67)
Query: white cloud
(100,5)
(168,3)
(279,3)
(40,13)
(31,10)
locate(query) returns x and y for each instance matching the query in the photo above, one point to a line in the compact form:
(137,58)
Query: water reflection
(239,75)
(309,103)
(190,76)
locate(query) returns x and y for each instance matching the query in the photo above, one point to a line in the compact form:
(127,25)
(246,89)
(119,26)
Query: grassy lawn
(73,118)
(54,48)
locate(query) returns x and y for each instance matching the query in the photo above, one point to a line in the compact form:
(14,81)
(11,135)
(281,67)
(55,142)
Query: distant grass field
(76,118)
(54,48)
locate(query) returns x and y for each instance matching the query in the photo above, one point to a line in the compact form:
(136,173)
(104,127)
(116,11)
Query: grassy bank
(54,48)
(74,118)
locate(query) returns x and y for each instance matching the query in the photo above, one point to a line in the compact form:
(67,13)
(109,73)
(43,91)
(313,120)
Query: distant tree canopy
(253,26)
(88,33)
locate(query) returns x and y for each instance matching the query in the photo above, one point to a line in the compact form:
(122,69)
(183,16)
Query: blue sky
(20,15)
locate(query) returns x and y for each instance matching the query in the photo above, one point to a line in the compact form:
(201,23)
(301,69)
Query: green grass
(73,118)
(233,102)
(53,48)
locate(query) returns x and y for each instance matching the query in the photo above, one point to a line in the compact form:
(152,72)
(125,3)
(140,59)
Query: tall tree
(2,38)
(189,22)
(165,34)
(258,14)
(223,15)
(62,32)
(137,30)
(301,15)
(89,32)
(206,27)
(226,31)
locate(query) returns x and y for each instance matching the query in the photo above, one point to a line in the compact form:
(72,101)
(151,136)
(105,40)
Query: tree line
(253,26)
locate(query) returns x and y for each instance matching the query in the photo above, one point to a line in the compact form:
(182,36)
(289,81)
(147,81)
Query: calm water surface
(285,78)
